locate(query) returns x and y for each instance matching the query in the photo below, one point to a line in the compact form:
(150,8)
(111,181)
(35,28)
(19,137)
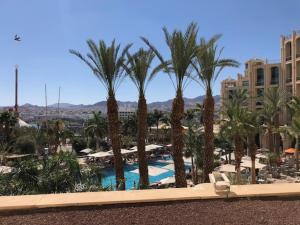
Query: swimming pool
(157,170)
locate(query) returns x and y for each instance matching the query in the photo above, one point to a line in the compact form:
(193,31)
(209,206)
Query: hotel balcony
(297,55)
(288,58)
(289,79)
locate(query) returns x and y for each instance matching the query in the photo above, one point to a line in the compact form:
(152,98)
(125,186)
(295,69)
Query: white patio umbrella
(261,156)
(228,168)
(148,147)
(248,164)
(168,180)
(86,150)
(100,154)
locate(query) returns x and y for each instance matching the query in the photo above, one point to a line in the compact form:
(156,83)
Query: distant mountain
(31,112)
(131,105)
(62,105)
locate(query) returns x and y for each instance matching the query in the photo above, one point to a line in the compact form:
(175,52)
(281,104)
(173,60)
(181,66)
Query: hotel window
(260,77)
(288,51)
(245,83)
(231,93)
(274,75)
(260,92)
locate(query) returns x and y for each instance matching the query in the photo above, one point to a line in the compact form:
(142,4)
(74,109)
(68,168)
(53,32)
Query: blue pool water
(133,178)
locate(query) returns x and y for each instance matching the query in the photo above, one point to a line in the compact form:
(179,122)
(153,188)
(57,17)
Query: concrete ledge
(202,191)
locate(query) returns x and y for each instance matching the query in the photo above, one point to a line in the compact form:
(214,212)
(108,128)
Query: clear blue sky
(49,28)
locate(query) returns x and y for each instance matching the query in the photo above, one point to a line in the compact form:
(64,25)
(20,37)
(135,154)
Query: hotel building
(262,74)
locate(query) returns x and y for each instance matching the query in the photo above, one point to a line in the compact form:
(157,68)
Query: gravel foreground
(238,211)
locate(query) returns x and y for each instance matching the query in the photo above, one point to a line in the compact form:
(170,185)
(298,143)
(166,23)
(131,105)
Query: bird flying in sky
(17,38)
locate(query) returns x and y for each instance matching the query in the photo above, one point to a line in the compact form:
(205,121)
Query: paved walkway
(202,191)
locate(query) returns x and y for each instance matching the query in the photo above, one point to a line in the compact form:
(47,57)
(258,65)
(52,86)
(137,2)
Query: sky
(49,28)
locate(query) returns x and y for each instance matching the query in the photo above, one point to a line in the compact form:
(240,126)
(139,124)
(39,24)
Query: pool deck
(202,191)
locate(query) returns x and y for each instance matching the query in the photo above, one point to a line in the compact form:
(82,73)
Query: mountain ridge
(128,104)
(31,113)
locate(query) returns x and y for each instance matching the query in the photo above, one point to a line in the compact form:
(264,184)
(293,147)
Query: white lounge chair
(220,186)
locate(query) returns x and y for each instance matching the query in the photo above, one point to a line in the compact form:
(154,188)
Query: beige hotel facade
(262,74)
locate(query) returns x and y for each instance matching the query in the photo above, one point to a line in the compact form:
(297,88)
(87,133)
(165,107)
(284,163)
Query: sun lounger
(220,186)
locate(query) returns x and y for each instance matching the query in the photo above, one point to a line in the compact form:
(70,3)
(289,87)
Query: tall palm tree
(106,63)
(183,49)
(236,125)
(274,101)
(253,129)
(208,66)
(138,68)
(96,128)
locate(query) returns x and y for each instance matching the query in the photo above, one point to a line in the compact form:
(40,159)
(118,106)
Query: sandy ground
(237,211)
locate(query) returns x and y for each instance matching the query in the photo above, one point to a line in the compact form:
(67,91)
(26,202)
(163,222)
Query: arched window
(260,77)
(274,75)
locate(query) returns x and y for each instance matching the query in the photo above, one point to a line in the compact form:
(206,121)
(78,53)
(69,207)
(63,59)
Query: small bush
(78,144)
(25,145)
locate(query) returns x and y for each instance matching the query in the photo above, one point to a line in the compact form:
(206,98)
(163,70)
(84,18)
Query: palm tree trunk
(238,157)
(141,136)
(277,135)
(208,120)
(177,139)
(193,170)
(297,153)
(114,132)
(270,140)
(97,143)
(157,124)
(252,147)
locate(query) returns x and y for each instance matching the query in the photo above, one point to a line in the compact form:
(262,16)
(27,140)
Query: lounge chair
(220,186)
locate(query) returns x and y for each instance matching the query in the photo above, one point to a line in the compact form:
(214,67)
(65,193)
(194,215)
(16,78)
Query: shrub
(25,145)
(92,143)
(59,174)
(78,144)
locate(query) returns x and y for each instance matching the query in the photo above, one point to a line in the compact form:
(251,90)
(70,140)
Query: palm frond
(106,63)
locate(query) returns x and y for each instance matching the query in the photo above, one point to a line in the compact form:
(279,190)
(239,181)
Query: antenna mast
(46,103)
(58,102)
(16,89)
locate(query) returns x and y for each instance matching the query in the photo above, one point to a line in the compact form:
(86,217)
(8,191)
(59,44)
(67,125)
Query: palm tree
(274,101)
(253,129)
(224,143)
(183,49)
(294,106)
(138,69)
(7,123)
(150,123)
(59,127)
(53,133)
(191,141)
(157,116)
(294,131)
(208,66)
(236,126)
(106,63)
(129,125)
(96,128)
